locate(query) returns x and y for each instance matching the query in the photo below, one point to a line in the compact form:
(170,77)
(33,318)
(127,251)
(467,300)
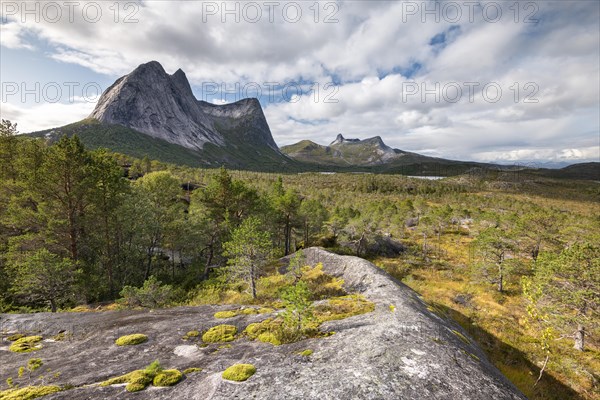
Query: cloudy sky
(483,80)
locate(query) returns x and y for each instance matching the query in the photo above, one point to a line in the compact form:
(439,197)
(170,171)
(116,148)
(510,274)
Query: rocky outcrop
(163,106)
(401,350)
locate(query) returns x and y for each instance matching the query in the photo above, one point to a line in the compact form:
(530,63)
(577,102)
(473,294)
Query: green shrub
(239,372)
(220,333)
(298,316)
(29,392)
(26,344)
(129,340)
(167,377)
(151,295)
(154,368)
(207,294)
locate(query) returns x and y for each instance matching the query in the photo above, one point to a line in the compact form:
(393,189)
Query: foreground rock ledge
(399,352)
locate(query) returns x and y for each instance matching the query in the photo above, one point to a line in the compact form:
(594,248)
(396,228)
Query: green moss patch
(191,370)
(192,334)
(26,344)
(225,314)
(343,307)
(253,331)
(244,311)
(29,392)
(305,353)
(59,337)
(14,337)
(320,284)
(136,380)
(167,377)
(130,340)
(239,372)
(269,337)
(276,332)
(140,379)
(220,333)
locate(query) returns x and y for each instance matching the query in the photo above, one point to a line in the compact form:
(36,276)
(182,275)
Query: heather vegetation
(514,258)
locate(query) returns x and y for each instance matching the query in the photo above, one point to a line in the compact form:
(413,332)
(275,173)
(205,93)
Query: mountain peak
(180,79)
(163,106)
(338,140)
(151,67)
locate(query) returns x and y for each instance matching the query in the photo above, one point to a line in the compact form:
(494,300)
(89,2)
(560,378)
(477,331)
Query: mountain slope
(163,106)
(374,154)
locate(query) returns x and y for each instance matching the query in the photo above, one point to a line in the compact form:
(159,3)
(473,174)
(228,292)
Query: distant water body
(429,178)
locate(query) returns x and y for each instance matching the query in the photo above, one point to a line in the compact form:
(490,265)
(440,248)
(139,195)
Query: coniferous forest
(513,257)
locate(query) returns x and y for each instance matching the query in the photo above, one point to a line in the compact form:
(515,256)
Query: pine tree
(567,288)
(249,249)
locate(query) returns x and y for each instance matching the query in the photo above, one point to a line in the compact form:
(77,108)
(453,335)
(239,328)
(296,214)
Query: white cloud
(46,115)
(375,51)
(12,36)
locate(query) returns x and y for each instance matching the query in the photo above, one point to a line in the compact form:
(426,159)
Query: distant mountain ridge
(344,152)
(151,113)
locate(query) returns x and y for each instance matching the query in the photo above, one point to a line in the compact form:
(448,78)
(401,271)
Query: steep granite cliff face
(163,106)
(401,350)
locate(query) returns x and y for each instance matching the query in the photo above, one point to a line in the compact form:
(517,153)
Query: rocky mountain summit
(163,106)
(151,113)
(366,152)
(401,350)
